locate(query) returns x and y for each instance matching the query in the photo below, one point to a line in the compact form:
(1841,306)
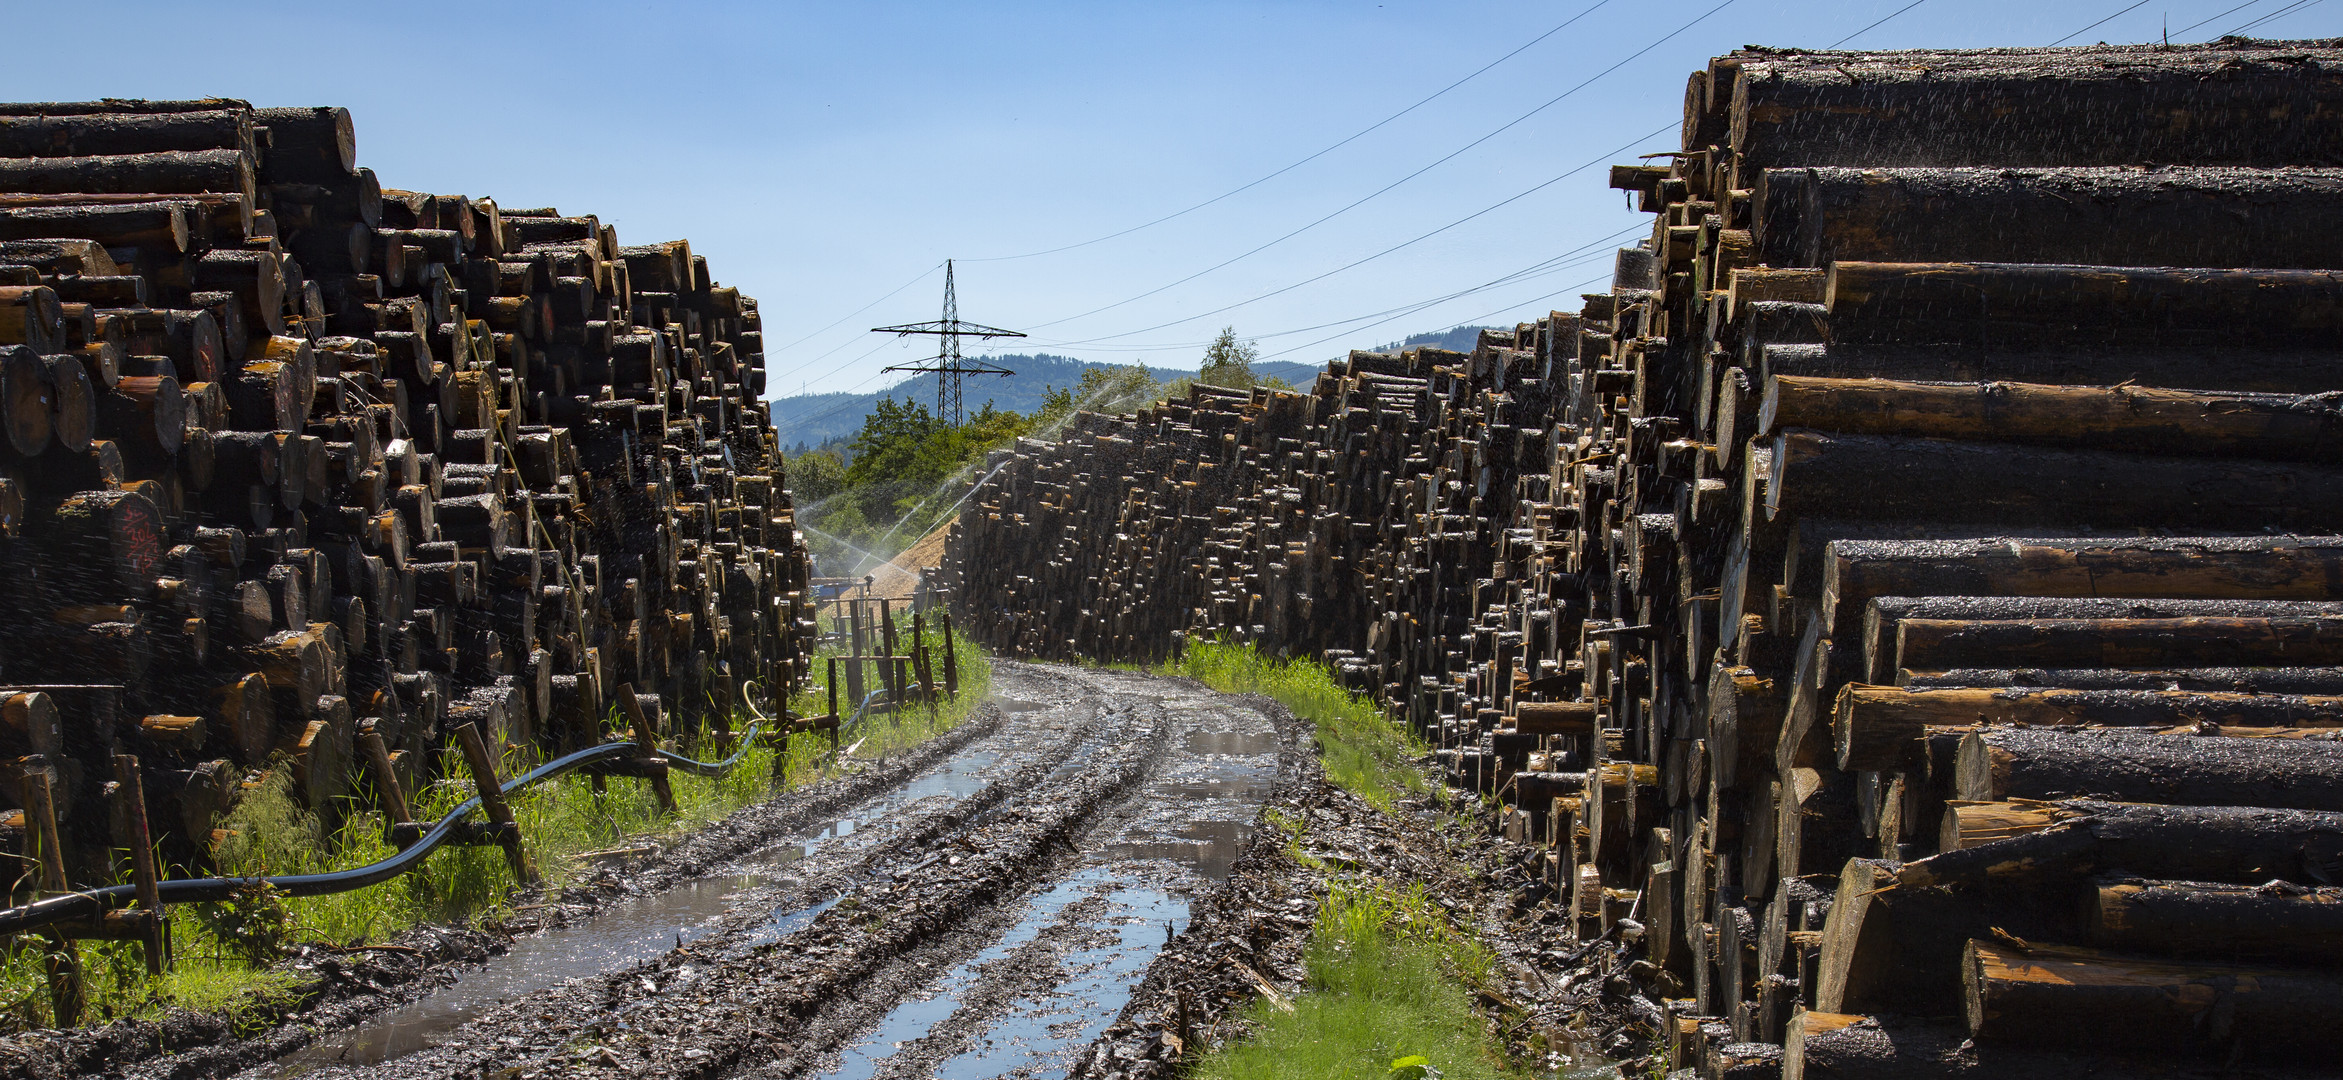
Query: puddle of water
(1035,1029)
(1041,1033)
(1015,705)
(1232,743)
(1207,847)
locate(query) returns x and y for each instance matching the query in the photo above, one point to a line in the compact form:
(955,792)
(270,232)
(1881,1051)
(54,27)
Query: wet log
(1884,614)
(1880,728)
(2080,837)
(1884,478)
(94,134)
(115,539)
(1555,718)
(2071,998)
(309,145)
(2295,924)
(1935,644)
(2209,368)
(1998,765)
(226,171)
(2302,681)
(156,226)
(2251,103)
(2043,304)
(2258,567)
(2123,216)
(2134,419)
(30,724)
(1841,1046)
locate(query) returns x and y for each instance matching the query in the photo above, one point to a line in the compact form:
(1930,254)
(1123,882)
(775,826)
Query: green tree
(1229,362)
(815,475)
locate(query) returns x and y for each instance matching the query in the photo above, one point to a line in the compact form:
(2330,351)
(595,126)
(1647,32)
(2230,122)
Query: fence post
(142,858)
(500,814)
(648,741)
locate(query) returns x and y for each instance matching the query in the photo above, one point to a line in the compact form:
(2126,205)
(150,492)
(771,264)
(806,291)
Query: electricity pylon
(948,364)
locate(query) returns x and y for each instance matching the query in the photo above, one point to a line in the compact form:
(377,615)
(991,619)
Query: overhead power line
(1877,25)
(1450,156)
(2100,23)
(1346,141)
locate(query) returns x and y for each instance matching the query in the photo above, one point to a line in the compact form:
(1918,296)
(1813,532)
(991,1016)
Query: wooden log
(1882,478)
(2243,104)
(2135,419)
(1575,718)
(2191,843)
(225,171)
(309,145)
(1840,1046)
(1882,617)
(2302,681)
(2205,368)
(1879,728)
(2292,924)
(93,134)
(1930,644)
(2256,567)
(27,409)
(2104,305)
(157,226)
(2123,216)
(2083,999)
(2020,763)
(117,536)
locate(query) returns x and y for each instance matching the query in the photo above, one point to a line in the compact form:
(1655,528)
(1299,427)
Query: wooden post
(648,740)
(854,616)
(951,659)
(62,963)
(142,858)
(386,781)
(922,662)
(491,789)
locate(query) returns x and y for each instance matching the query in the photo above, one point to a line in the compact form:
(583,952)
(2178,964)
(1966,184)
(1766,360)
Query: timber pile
(1909,601)
(299,471)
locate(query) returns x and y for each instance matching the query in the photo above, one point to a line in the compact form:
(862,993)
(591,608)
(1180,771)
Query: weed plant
(226,955)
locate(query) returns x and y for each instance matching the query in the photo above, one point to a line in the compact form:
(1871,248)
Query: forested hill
(814,419)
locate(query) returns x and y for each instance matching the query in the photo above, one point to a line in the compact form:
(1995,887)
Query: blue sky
(823,155)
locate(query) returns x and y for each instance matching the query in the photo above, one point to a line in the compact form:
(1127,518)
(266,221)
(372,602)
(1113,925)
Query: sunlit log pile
(291,462)
(1908,604)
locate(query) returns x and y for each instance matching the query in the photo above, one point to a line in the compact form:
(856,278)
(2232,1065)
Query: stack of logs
(291,463)
(1908,602)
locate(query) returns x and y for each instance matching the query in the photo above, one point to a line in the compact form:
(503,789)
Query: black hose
(91,903)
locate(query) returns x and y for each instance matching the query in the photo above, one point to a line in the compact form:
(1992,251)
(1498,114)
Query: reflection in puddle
(1232,743)
(1207,847)
(1038,1030)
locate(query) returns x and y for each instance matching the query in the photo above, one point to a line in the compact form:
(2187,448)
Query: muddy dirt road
(983,915)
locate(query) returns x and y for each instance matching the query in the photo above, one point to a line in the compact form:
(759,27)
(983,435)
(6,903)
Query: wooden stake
(648,740)
(492,800)
(62,963)
(142,858)
(386,781)
(951,659)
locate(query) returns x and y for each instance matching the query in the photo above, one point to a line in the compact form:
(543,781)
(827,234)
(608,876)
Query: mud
(1079,882)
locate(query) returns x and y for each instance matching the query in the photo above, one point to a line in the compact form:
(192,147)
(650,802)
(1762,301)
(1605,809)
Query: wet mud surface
(1077,882)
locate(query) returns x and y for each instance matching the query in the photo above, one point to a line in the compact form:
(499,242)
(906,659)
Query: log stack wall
(1905,602)
(293,461)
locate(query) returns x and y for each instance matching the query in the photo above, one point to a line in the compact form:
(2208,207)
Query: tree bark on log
(2209,368)
(2082,999)
(220,171)
(1879,728)
(2120,216)
(2192,843)
(2131,419)
(2041,304)
(1936,644)
(1884,478)
(2286,923)
(2191,770)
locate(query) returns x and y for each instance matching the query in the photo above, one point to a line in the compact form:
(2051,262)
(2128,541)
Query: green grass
(1384,986)
(225,954)
(1364,752)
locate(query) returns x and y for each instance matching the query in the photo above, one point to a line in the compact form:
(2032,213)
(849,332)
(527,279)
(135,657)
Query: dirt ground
(1078,882)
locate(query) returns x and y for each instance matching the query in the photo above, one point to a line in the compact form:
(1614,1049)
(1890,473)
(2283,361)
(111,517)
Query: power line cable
(2266,18)
(2100,23)
(866,307)
(1354,137)
(1605,156)
(1876,25)
(2210,18)
(1450,156)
